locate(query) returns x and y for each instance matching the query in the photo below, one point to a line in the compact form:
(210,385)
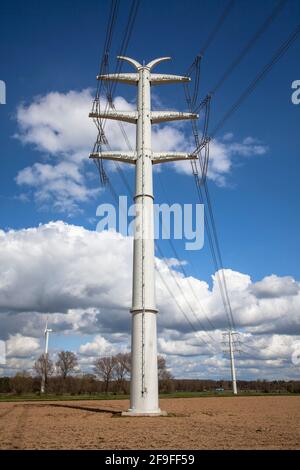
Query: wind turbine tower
(46,342)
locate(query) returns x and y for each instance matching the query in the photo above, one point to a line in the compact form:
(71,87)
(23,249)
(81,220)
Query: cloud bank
(82,280)
(57,125)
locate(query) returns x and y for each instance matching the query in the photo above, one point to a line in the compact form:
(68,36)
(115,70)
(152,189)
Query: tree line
(111,374)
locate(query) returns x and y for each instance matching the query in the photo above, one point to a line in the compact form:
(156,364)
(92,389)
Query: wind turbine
(46,339)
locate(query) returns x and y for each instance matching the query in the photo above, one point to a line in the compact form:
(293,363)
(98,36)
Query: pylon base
(133,413)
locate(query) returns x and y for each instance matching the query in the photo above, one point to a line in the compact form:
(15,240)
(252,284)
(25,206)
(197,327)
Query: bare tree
(123,365)
(44,367)
(122,369)
(162,368)
(104,368)
(66,363)
(164,375)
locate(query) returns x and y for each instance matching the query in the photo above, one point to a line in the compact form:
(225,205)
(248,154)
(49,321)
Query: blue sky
(56,46)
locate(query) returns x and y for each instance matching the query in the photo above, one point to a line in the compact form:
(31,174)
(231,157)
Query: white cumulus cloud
(58,126)
(82,280)
(98,347)
(22,346)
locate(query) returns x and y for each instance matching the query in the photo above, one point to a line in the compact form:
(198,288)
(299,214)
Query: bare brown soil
(193,423)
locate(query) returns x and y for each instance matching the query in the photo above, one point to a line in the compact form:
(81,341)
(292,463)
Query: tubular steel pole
(144,374)
(144,377)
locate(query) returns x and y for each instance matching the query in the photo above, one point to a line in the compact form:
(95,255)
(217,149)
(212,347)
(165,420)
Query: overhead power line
(183,270)
(172,274)
(103,176)
(190,308)
(109,89)
(249,45)
(259,77)
(279,53)
(200,181)
(214,239)
(109,95)
(217,27)
(195,66)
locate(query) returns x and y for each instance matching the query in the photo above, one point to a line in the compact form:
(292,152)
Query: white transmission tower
(144,377)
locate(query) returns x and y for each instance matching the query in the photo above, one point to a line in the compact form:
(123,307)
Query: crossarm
(129,78)
(126,157)
(160,78)
(163,116)
(126,116)
(163,157)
